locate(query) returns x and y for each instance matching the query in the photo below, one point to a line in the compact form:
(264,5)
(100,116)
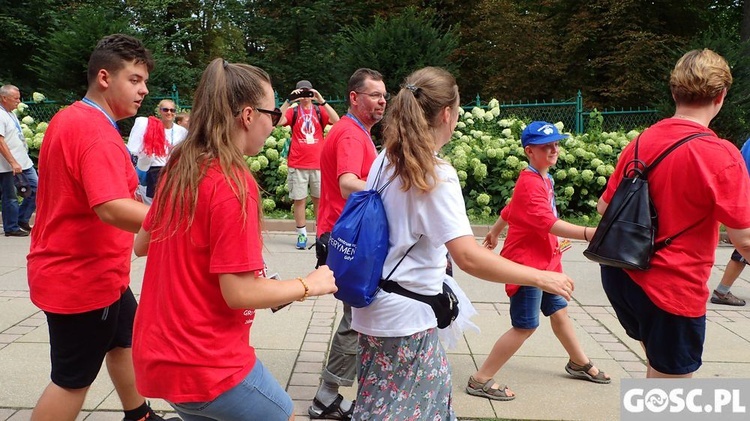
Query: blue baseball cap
(540,133)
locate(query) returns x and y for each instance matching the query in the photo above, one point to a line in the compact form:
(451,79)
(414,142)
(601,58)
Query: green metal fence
(572,113)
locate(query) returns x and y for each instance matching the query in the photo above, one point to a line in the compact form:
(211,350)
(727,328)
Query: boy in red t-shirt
(81,245)
(308,122)
(532,241)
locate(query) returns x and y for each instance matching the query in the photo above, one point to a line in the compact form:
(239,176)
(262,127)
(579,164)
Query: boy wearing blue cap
(533,228)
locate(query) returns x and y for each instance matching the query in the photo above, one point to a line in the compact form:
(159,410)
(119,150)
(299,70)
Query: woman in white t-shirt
(403,367)
(151,140)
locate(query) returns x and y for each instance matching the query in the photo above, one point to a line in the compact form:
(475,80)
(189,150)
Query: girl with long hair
(403,367)
(205,273)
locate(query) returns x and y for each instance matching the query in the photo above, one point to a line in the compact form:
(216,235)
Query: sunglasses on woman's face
(275,114)
(169,110)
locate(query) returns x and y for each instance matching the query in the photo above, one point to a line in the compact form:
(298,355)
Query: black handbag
(625,235)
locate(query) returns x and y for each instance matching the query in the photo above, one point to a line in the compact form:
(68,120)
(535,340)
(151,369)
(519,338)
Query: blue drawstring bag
(358,247)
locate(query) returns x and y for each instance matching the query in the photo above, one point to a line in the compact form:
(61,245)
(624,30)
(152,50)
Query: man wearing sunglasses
(151,140)
(307,122)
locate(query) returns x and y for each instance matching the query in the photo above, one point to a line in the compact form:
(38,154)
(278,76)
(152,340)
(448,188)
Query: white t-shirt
(10,131)
(439,216)
(174,135)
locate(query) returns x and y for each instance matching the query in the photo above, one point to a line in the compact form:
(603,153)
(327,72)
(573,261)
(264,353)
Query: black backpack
(625,235)
(296,111)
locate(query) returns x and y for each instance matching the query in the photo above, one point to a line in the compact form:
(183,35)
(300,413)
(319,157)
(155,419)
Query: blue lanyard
(98,107)
(15,121)
(359,123)
(553,201)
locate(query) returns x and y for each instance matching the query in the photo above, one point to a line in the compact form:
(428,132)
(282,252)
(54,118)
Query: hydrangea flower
(494,103)
(42,127)
(28,120)
(283,170)
(601,180)
(470,121)
(462,175)
(560,126)
(37,97)
(512,161)
(507,133)
(460,125)
(271,142)
(272,154)
(568,191)
(480,172)
(483,199)
(495,111)
(601,170)
(263,161)
(255,166)
(268,204)
(561,175)
(596,162)
(22,107)
(587,175)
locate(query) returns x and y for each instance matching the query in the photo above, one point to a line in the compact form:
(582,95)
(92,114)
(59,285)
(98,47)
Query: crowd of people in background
(181,183)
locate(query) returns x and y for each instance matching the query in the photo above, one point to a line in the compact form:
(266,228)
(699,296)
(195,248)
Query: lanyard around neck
(98,107)
(359,123)
(14,119)
(551,191)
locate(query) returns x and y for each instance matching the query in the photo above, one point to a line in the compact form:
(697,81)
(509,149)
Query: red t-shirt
(703,182)
(307,137)
(188,345)
(348,149)
(77,263)
(530,217)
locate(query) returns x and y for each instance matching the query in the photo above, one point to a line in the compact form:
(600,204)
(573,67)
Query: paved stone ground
(293,343)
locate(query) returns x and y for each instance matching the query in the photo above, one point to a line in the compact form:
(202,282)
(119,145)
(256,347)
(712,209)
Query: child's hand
(321,282)
(490,240)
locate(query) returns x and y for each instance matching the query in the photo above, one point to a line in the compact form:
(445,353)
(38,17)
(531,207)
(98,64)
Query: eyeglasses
(376,95)
(169,110)
(275,114)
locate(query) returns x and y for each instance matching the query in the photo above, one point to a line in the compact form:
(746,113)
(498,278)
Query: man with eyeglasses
(151,140)
(307,122)
(345,161)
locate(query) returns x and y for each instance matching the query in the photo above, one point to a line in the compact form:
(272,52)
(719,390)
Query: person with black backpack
(700,184)
(307,121)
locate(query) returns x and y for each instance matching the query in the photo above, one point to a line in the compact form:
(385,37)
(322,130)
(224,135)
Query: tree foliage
(617,52)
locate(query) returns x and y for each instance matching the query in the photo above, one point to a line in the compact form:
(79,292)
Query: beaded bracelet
(307,290)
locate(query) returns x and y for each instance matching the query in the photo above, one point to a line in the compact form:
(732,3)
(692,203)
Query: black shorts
(674,344)
(737,257)
(79,342)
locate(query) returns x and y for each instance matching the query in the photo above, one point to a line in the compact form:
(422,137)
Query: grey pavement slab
(293,343)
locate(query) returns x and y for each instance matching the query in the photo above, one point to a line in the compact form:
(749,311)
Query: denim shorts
(674,344)
(258,397)
(526,303)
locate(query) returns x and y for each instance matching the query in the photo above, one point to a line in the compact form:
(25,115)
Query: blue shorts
(674,344)
(258,397)
(526,303)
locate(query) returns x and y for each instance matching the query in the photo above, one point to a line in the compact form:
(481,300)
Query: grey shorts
(299,180)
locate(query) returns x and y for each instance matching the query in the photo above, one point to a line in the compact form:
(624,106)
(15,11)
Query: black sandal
(332,411)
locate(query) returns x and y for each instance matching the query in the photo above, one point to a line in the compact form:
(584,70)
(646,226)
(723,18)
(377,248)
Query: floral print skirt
(403,378)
